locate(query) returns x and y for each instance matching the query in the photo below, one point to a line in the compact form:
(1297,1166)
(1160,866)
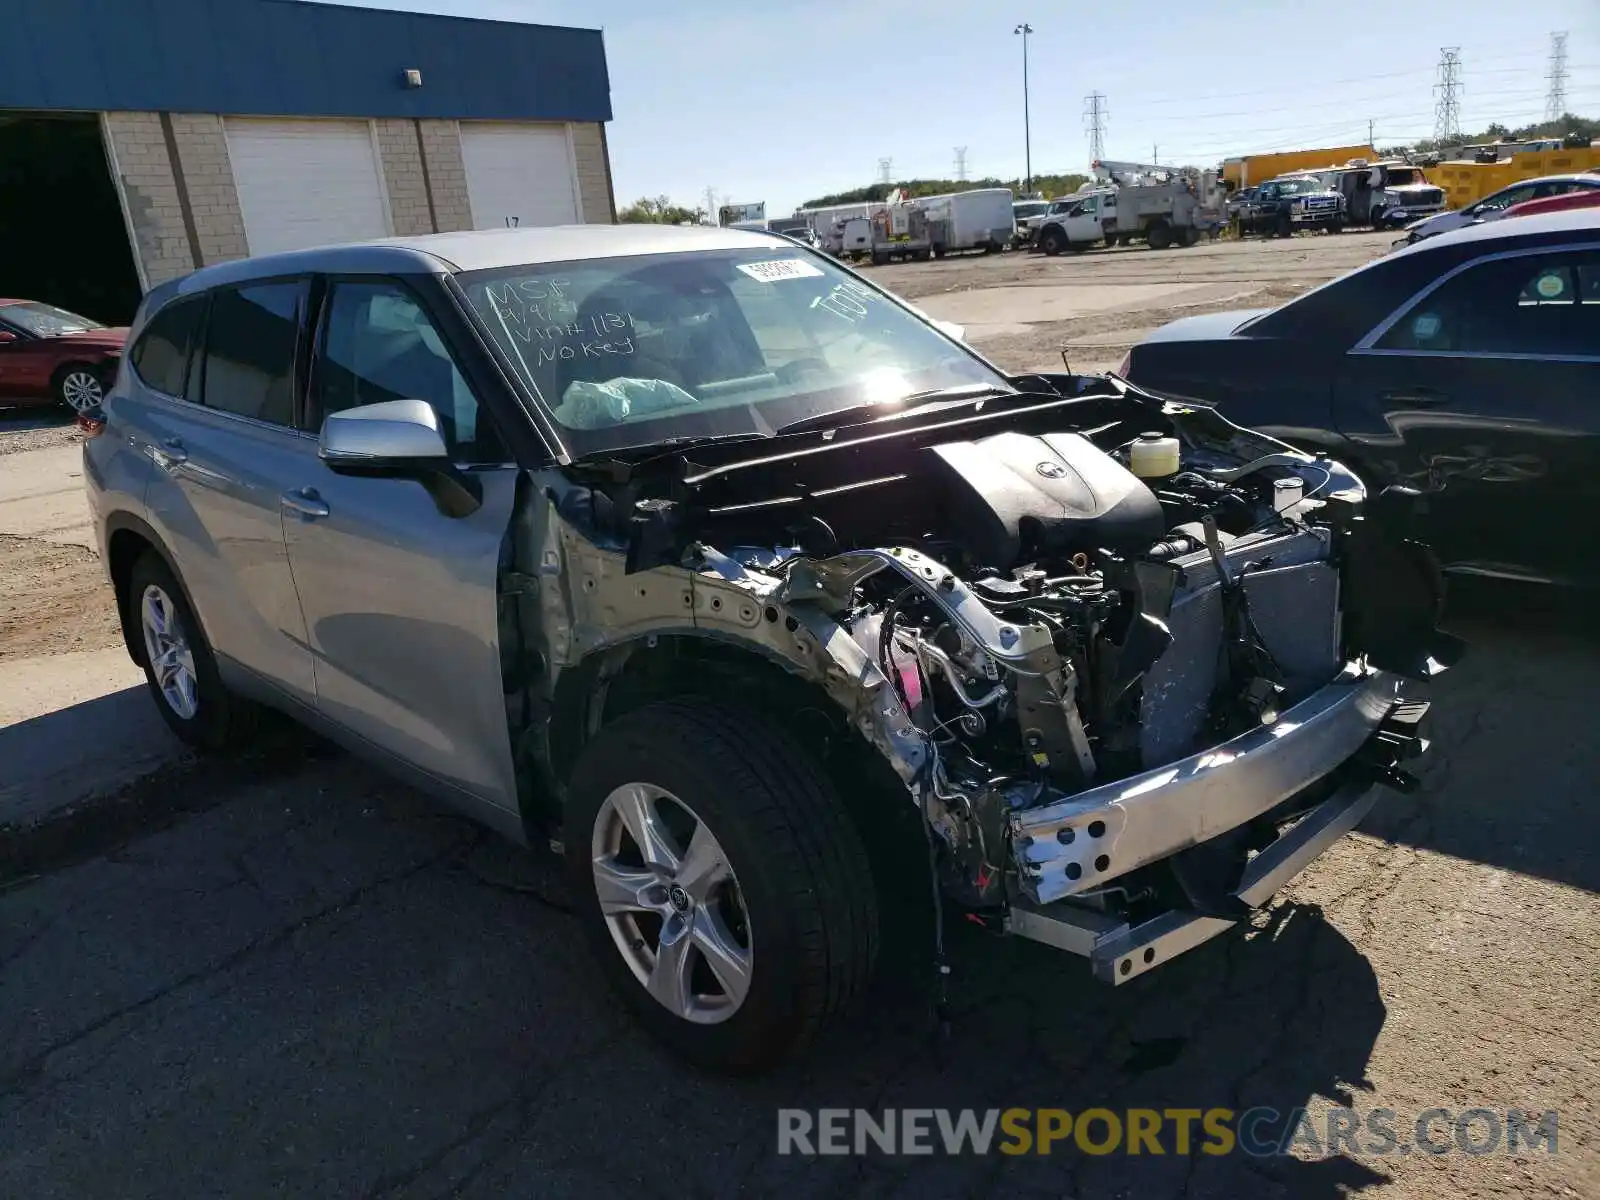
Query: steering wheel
(791,371)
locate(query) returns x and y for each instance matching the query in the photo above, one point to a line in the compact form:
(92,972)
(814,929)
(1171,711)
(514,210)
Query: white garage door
(519,174)
(306,183)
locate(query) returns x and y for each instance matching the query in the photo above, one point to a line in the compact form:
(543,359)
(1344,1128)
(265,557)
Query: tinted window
(250,346)
(162,352)
(1535,304)
(378,343)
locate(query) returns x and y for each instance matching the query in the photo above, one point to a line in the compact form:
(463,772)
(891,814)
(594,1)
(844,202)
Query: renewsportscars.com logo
(1258,1132)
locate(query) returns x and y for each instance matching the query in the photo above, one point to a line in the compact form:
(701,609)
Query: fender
(118,565)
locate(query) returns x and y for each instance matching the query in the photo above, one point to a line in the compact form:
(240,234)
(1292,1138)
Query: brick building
(140,141)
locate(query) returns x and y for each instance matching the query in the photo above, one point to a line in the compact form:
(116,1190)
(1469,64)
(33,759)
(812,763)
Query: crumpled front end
(1136,667)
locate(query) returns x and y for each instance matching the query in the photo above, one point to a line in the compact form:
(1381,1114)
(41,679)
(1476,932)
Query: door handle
(1418,397)
(169,454)
(305,504)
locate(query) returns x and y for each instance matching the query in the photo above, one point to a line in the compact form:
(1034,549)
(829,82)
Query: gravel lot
(297,977)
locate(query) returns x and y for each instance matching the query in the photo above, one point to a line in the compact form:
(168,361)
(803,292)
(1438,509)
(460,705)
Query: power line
(1556,105)
(1447,112)
(1094,121)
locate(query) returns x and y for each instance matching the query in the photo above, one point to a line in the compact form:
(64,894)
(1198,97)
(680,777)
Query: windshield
(46,320)
(1034,209)
(1404,176)
(633,351)
(1297,187)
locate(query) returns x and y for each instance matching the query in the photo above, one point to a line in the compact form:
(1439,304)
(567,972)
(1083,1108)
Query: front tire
(721,882)
(179,666)
(1052,241)
(79,387)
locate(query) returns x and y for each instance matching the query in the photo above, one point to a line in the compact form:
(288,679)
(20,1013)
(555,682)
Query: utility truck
(1126,202)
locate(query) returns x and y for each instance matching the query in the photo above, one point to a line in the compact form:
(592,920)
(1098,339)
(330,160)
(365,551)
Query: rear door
(400,599)
(224,449)
(1484,392)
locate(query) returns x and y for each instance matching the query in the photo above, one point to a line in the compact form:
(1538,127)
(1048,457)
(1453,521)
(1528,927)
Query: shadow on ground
(1511,781)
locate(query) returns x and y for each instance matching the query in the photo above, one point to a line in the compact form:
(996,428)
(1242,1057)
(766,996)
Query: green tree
(660,211)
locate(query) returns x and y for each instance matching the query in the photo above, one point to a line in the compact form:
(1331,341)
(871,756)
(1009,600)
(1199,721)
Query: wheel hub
(671,903)
(166,647)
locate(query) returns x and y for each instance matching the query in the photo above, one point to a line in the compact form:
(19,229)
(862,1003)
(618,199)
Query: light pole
(1027,137)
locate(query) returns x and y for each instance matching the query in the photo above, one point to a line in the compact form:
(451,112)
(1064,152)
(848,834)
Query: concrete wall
(138,152)
(594,173)
(183,208)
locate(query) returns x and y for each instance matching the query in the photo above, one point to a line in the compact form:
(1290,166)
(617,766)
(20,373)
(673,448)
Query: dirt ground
(299,977)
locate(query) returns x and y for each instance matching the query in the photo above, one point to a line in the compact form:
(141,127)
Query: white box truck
(981,219)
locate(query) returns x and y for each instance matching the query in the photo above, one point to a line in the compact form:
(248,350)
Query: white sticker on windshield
(779,268)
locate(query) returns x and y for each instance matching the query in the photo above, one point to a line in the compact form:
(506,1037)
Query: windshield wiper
(837,416)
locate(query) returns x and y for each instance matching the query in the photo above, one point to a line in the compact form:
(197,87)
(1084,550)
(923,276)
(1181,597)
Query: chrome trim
(1365,345)
(1162,811)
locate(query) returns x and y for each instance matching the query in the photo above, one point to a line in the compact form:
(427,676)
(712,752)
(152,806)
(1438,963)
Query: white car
(1494,205)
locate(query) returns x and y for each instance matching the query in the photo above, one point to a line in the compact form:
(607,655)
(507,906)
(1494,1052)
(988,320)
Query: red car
(51,356)
(1587,198)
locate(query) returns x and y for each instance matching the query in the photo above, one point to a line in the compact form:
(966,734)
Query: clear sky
(781,101)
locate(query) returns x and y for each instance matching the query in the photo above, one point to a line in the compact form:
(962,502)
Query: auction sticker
(779,268)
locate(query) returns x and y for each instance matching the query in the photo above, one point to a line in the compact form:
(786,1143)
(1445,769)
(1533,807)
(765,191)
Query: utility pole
(1025,31)
(885,169)
(1370,135)
(1155,156)
(1094,121)
(1447,111)
(961,163)
(1555,105)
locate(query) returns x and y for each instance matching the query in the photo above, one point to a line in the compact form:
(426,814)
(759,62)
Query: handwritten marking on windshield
(845,301)
(567,351)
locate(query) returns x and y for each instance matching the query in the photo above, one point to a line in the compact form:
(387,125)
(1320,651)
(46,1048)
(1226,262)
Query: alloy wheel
(82,391)
(672,904)
(166,647)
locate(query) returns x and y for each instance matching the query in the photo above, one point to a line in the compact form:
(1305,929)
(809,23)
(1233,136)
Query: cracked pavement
(321,983)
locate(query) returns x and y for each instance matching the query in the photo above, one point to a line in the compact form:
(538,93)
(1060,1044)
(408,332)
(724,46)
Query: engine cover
(1015,498)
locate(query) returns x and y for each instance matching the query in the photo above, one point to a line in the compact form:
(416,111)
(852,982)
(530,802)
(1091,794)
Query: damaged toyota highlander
(761,596)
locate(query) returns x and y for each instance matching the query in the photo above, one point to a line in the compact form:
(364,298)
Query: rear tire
(179,666)
(793,918)
(1159,235)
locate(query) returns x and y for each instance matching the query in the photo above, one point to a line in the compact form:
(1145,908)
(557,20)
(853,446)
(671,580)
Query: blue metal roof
(291,58)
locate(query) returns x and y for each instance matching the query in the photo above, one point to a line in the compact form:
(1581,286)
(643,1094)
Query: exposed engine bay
(1049,612)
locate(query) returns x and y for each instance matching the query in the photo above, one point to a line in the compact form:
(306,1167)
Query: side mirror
(7,337)
(398,439)
(951,330)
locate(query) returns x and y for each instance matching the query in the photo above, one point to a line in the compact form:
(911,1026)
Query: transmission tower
(961,163)
(1555,106)
(1447,110)
(885,166)
(1094,123)
(712,217)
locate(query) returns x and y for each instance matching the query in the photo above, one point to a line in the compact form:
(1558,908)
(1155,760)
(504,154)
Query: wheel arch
(628,675)
(127,538)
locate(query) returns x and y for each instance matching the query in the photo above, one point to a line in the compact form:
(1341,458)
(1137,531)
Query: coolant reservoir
(1154,456)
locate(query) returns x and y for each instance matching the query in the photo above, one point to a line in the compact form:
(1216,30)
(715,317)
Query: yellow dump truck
(1258,168)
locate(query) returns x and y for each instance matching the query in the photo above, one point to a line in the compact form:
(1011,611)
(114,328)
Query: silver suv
(771,604)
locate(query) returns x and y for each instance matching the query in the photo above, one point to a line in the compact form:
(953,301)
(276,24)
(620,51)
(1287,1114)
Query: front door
(400,599)
(1485,394)
(1082,222)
